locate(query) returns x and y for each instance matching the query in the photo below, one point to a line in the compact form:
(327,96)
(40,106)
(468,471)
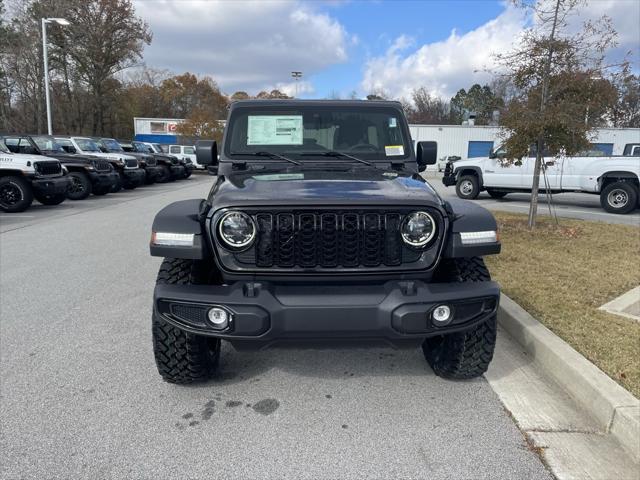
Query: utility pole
(59,21)
(297,76)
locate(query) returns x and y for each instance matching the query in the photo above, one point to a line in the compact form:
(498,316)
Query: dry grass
(561,275)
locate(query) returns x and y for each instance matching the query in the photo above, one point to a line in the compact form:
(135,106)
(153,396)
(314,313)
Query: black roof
(308,103)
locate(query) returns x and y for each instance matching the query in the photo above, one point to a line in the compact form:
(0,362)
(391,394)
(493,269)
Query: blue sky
(378,24)
(344,46)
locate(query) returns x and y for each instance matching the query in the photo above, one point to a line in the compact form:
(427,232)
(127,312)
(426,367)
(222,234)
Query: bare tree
(558,74)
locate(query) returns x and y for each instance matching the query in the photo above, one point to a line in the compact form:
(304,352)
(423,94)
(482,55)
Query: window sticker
(393,122)
(274,130)
(393,150)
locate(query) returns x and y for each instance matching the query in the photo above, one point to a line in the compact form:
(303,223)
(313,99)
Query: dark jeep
(170,168)
(129,167)
(86,174)
(319,227)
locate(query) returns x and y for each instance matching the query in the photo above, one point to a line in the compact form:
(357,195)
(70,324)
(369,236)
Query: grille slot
(102,165)
(48,168)
(328,239)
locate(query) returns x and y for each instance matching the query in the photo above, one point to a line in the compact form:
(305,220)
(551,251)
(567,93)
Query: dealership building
(465,141)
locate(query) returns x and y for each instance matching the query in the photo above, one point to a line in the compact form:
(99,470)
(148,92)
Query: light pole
(59,21)
(296,76)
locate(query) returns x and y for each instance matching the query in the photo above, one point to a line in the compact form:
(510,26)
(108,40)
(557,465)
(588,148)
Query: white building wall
(454,139)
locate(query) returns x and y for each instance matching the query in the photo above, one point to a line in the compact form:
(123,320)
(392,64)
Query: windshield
(3,148)
(372,133)
(47,144)
(141,147)
(111,145)
(87,145)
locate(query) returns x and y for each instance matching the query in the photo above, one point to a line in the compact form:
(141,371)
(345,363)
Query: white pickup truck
(614,178)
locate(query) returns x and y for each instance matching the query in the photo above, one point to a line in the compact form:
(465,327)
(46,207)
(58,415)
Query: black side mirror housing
(426,154)
(493,154)
(207,152)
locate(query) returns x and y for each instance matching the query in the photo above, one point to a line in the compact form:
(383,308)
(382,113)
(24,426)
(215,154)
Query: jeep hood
(322,187)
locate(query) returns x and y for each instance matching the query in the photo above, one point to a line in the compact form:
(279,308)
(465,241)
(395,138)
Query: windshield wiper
(267,154)
(333,153)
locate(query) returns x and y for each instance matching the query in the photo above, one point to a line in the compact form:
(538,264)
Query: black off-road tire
(467,354)
(80,187)
(149,179)
(619,197)
(16,194)
(56,199)
(165,176)
(182,357)
(116,187)
(496,193)
(468,187)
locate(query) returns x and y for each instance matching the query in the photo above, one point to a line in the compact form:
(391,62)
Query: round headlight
(236,229)
(418,228)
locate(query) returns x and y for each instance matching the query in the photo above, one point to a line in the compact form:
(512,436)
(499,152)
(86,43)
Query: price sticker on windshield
(274,130)
(393,150)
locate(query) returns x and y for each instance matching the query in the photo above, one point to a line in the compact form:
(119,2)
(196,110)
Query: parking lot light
(62,22)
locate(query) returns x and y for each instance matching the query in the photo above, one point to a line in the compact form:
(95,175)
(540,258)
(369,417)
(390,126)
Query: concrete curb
(615,409)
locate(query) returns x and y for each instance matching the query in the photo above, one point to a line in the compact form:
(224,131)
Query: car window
(189,151)
(174,149)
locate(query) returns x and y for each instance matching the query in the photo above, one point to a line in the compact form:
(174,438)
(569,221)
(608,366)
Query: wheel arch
(618,176)
(183,217)
(470,170)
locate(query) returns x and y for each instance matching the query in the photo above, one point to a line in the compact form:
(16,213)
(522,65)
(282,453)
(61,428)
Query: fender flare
(476,170)
(468,216)
(185,216)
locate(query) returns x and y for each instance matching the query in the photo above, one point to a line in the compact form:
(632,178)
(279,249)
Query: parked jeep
(185,161)
(25,177)
(170,166)
(188,152)
(319,227)
(613,177)
(130,175)
(86,174)
(129,167)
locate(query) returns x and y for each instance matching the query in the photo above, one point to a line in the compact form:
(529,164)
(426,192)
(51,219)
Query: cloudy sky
(344,46)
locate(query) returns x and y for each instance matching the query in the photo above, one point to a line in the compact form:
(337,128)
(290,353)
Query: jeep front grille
(131,163)
(328,239)
(48,168)
(102,165)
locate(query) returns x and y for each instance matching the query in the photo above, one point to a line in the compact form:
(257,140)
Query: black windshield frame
(231,152)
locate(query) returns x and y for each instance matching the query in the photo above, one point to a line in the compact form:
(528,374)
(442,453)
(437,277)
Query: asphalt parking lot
(80,396)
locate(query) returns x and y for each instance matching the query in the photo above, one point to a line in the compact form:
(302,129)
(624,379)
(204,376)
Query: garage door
(606,148)
(479,149)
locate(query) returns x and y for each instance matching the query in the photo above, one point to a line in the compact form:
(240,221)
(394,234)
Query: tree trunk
(533,205)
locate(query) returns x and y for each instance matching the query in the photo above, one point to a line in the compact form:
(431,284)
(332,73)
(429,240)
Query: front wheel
(468,187)
(165,174)
(15,194)
(79,187)
(182,357)
(619,197)
(467,354)
(51,199)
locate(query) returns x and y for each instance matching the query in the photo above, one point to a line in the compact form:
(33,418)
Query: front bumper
(177,171)
(107,179)
(153,172)
(396,312)
(50,186)
(449,177)
(133,176)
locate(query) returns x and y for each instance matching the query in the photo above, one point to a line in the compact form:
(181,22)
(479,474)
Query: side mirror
(207,152)
(493,154)
(427,154)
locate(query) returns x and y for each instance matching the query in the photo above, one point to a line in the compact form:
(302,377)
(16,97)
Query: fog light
(441,315)
(219,317)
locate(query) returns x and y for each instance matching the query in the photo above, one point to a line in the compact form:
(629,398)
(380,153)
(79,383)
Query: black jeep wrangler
(87,174)
(319,227)
(170,168)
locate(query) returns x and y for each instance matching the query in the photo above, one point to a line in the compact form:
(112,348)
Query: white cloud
(463,59)
(303,87)
(243,45)
(446,66)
